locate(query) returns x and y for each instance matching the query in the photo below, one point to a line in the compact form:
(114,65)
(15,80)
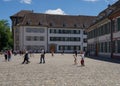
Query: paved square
(58,71)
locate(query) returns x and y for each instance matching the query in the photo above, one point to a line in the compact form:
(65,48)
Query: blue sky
(67,7)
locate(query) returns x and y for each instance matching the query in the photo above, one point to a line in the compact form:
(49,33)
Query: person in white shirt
(82,58)
(42,58)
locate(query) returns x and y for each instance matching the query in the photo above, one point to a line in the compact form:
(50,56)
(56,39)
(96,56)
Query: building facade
(34,31)
(104,33)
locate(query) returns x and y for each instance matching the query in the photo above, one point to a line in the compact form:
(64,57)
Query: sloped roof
(50,20)
(22,13)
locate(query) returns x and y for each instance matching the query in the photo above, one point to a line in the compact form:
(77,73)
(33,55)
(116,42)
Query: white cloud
(21,1)
(6,0)
(91,0)
(57,11)
(26,1)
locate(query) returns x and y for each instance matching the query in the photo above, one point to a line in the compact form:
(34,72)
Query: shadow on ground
(113,60)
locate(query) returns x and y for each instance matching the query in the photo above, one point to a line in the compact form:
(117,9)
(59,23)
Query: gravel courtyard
(58,71)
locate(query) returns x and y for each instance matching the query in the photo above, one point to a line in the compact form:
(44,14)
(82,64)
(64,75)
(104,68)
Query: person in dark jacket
(75,52)
(5,55)
(26,58)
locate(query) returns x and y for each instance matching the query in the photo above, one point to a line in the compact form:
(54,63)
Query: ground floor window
(91,47)
(69,47)
(65,39)
(118,46)
(100,47)
(35,48)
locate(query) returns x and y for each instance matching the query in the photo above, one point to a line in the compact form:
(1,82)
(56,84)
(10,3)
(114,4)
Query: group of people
(7,55)
(26,57)
(79,59)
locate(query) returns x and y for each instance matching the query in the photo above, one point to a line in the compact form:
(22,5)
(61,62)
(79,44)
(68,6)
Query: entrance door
(52,48)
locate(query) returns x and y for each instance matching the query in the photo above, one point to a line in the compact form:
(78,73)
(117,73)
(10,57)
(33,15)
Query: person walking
(26,58)
(5,55)
(75,59)
(82,58)
(42,58)
(75,52)
(9,53)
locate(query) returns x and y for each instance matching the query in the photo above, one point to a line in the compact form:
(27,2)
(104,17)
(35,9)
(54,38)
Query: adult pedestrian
(5,55)
(42,57)
(62,52)
(75,52)
(26,58)
(75,59)
(9,53)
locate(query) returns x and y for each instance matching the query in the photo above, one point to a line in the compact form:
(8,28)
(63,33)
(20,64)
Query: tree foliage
(6,40)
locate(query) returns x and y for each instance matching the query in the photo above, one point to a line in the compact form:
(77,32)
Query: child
(82,62)
(82,58)
(75,59)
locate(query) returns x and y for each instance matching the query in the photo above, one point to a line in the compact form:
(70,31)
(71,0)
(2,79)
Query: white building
(33,31)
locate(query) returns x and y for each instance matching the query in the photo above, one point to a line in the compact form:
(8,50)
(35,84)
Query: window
(101,47)
(35,30)
(118,46)
(84,48)
(109,46)
(28,23)
(105,46)
(51,30)
(28,30)
(35,38)
(54,30)
(78,31)
(59,31)
(85,40)
(64,25)
(39,23)
(28,38)
(41,38)
(85,32)
(41,30)
(75,25)
(118,22)
(60,47)
(51,24)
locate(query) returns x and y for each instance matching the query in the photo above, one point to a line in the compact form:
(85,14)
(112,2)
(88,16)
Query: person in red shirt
(9,53)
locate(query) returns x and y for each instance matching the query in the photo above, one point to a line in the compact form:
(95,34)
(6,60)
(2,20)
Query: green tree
(6,40)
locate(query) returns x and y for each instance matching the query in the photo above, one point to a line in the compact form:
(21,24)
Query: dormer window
(39,23)
(27,23)
(83,26)
(109,11)
(51,24)
(75,25)
(64,25)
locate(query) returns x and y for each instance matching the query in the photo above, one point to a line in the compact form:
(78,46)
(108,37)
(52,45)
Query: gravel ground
(58,71)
